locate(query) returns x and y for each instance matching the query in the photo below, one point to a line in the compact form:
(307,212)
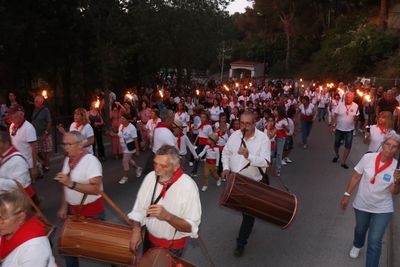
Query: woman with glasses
(24,239)
(377,180)
(82,125)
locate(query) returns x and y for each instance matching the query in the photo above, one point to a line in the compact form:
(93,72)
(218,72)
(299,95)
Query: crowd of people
(242,127)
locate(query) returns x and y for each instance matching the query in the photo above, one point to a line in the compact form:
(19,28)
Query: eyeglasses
(69,144)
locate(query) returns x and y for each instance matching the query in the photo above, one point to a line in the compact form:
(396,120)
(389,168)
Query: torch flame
(360,93)
(237,84)
(301,80)
(97,103)
(321,88)
(197,92)
(250,84)
(44,94)
(128,95)
(226,87)
(161,93)
(368,98)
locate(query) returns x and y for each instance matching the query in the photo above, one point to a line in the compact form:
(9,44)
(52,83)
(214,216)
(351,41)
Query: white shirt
(126,135)
(345,116)
(150,126)
(306,111)
(214,112)
(35,252)
(184,145)
(290,127)
(374,198)
(376,139)
(87,131)
(25,135)
(87,168)
(259,147)
(162,136)
(184,118)
(15,167)
(211,153)
(182,199)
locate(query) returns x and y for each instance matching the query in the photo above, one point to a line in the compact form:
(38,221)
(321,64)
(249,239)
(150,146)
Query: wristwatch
(73,185)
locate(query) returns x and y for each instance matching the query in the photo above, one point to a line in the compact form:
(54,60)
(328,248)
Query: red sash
(89,210)
(211,161)
(170,244)
(203,140)
(32,228)
(175,177)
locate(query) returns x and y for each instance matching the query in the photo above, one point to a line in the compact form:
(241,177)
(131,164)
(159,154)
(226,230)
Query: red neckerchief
(201,126)
(162,125)
(379,169)
(170,182)
(77,125)
(32,228)
(9,152)
(383,130)
(179,141)
(179,113)
(73,162)
(16,126)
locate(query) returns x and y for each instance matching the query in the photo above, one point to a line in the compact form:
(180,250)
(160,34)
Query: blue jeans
(375,224)
(305,130)
(74,261)
(280,144)
(321,113)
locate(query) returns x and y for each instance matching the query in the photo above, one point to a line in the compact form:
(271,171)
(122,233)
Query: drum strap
(265,177)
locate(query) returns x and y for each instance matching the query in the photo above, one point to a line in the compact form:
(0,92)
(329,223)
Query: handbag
(131,145)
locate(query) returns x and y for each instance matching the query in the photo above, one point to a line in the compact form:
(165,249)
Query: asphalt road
(320,236)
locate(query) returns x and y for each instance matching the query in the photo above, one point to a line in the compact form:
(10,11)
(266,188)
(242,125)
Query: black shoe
(335,159)
(238,252)
(344,166)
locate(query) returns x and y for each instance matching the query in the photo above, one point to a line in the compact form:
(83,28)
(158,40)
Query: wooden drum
(97,240)
(259,200)
(161,257)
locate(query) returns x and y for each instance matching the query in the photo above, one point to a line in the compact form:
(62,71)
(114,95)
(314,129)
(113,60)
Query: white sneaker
(190,163)
(219,182)
(123,180)
(288,160)
(354,252)
(283,162)
(204,188)
(139,171)
(305,146)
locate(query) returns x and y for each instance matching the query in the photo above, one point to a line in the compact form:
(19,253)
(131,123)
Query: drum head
(230,182)
(156,257)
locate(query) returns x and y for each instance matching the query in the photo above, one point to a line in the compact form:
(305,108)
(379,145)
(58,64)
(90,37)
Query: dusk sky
(238,6)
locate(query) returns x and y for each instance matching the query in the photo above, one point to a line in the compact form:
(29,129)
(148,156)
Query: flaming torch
(237,85)
(129,96)
(44,94)
(197,92)
(361,94)
(97,103)
(226,87)
(161,93)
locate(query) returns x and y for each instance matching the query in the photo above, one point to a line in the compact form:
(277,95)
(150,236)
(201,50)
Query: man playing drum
(247,150)
(168,203)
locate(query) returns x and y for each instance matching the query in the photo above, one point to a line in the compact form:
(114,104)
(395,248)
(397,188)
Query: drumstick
(243,142)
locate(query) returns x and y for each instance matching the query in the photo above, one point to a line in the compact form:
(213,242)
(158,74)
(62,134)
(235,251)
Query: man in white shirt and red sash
(23,137)
(168,203)
(81,174)
(247,151)
(13,167)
